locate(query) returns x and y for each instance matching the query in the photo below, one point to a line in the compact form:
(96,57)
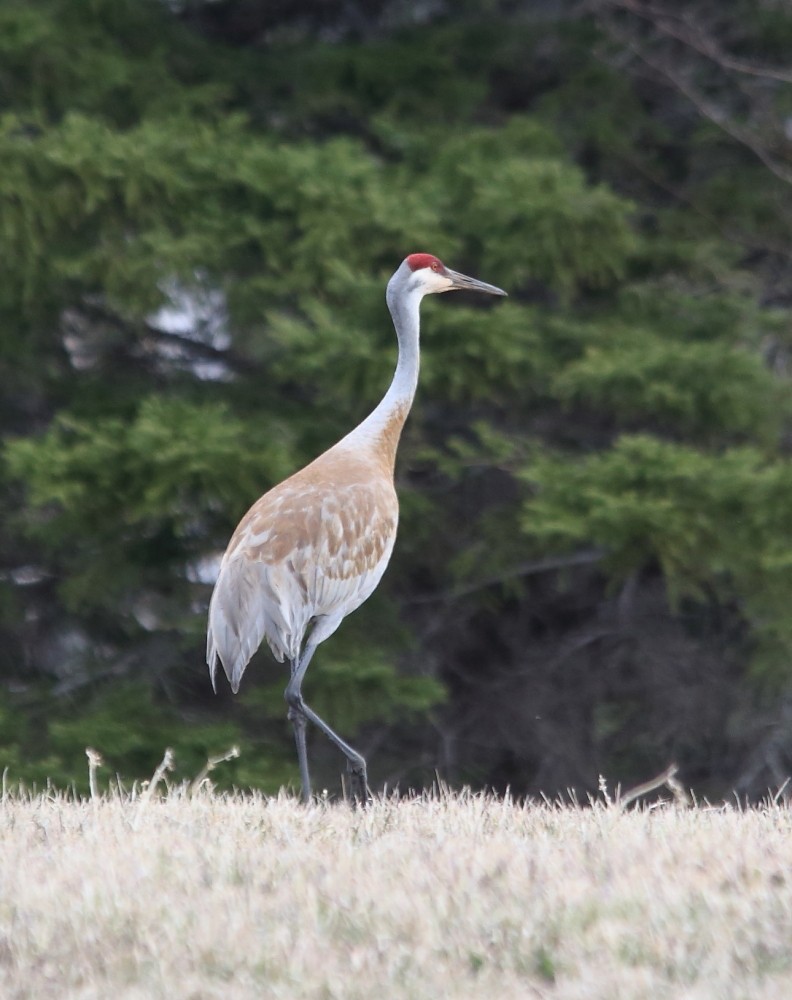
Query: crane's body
(313,548)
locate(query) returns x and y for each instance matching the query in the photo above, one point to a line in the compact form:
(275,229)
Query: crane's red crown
(417,261)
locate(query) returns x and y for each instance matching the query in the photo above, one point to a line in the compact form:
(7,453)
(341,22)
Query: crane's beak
(461,281)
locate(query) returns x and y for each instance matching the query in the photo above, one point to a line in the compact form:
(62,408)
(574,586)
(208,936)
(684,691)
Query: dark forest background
(200,205)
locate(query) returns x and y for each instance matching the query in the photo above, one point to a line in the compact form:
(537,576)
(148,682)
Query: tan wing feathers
(335,508)
(314,546)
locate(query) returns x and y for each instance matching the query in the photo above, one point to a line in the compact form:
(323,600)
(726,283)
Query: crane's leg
(299,712)
(299,722)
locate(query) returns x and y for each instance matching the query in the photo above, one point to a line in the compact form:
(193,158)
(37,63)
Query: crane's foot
(358,781)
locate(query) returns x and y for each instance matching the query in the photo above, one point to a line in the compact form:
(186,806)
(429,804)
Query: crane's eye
(435,266)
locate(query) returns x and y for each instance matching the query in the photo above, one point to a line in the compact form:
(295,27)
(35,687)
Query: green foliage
(703,389)
(172,460)
(112,58)
(475,354)
(709,521)
(579,234)
(140,490)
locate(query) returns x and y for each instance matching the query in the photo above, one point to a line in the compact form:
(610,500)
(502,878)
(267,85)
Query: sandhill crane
(313,548)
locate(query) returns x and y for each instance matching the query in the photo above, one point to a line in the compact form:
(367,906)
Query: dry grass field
(448,896)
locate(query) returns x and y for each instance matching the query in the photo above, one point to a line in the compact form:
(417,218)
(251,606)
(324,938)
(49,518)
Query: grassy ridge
(446,897)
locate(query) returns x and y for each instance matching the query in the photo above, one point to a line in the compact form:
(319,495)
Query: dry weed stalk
(165,765)
(95,761)
(666,778)
(211,764)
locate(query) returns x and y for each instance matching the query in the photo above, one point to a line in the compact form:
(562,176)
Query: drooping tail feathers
(247,607)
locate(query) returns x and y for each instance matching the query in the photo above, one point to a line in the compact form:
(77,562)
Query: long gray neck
(390,414)
(405,310)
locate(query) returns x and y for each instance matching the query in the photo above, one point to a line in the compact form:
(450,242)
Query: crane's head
(428,274)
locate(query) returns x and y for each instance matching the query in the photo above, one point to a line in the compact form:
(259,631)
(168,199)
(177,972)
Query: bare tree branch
(523,569)
(675,24)
(675,73)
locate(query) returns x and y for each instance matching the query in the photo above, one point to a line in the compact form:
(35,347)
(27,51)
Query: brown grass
(448,896)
